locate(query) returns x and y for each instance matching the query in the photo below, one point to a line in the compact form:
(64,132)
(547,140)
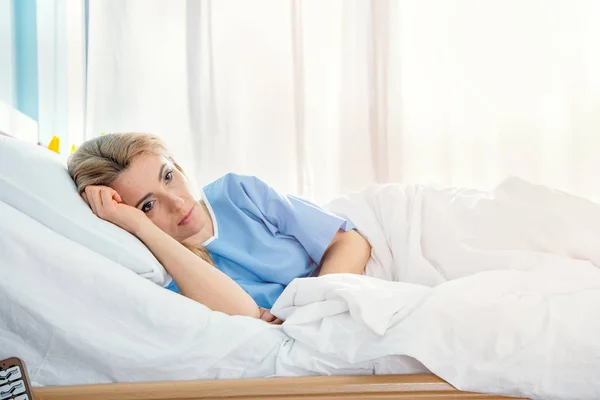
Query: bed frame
(376,387)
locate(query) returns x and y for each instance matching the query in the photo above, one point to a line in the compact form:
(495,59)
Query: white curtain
(61,72)
(42,68)
(12,120)
(324,97)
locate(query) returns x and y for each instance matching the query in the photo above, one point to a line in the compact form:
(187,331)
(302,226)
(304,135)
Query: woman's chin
(191,234)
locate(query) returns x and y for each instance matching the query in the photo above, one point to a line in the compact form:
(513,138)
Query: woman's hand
(106,203)
(266,315)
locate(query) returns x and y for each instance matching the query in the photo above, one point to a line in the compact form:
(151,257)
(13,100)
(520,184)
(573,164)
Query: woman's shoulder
(234,191)
(235,187)
(234,182)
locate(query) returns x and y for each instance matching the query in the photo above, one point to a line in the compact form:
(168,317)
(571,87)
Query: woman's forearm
(196,278)
(348,253)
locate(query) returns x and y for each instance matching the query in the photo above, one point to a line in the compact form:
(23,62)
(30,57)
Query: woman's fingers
(98,197)
(106,196)
(266,316)
(107,204)
(89,197)
(117,196)
(97,200)
(112,193)
(94,197)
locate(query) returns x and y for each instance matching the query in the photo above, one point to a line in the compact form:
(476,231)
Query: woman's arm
(348,252)
(196,278)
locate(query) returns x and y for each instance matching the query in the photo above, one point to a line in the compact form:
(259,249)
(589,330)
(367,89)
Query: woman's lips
(187,217)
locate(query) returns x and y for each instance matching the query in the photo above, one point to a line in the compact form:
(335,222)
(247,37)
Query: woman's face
(152,184)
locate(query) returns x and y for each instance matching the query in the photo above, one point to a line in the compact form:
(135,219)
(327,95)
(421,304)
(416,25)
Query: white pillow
(35,181)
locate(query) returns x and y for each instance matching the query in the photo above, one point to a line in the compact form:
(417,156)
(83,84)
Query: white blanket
(528,326)
(492,297)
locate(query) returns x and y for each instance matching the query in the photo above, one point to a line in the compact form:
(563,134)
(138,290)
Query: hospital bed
(414,386)
(422,387)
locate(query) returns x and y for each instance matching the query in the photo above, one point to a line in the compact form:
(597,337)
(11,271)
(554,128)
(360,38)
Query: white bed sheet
(76,317)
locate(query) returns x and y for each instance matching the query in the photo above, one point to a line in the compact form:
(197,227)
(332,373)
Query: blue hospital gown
(263,239)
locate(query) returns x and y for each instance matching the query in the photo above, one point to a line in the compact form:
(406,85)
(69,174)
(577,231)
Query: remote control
(14,381)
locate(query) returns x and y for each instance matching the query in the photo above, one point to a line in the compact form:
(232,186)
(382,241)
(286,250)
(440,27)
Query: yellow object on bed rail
(54,144)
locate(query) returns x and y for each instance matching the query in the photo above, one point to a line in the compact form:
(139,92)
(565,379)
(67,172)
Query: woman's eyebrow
(143,199)
(160,173)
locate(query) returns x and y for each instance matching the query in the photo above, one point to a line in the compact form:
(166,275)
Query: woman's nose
(177,202)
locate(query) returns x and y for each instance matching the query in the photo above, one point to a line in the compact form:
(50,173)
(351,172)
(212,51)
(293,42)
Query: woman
(257,239)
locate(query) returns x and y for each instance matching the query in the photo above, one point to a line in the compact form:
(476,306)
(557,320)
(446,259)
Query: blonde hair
(101,160)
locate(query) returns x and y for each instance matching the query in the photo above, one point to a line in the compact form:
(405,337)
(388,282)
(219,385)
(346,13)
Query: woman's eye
(148,206)
(169,176)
